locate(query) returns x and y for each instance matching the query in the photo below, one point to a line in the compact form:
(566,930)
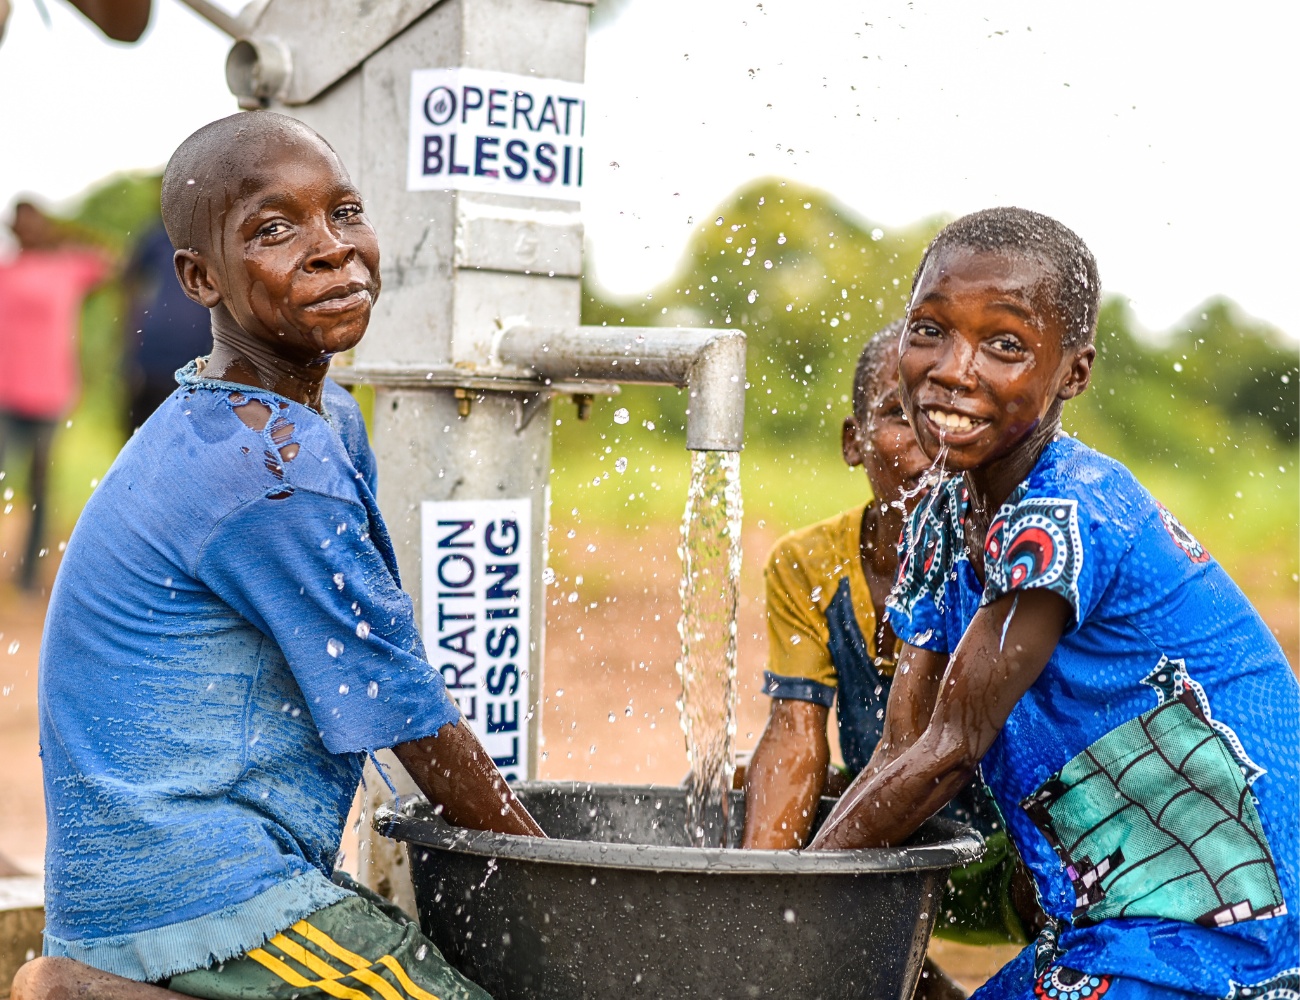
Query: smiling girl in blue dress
(1134,717)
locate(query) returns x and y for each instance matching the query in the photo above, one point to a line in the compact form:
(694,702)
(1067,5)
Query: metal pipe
(709,364)
(217,17)
(258,70)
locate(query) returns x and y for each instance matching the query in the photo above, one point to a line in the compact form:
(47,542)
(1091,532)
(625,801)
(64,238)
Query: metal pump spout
(708,363)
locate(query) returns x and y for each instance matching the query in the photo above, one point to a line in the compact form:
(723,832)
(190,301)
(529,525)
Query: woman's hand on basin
(454,771)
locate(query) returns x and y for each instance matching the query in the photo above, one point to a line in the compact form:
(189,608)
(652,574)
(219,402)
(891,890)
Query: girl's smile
(982,364)
(983,368)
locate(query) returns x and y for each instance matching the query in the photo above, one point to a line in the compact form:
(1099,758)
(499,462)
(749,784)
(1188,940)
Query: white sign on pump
(475,588)
(478,130)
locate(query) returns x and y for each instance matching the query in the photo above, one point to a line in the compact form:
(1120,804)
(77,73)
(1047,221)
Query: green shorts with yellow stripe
(360,948)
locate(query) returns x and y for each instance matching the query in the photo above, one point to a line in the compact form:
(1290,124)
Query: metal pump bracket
(708,363)
(531,394)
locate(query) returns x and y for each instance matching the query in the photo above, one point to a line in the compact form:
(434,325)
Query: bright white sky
(1163,134)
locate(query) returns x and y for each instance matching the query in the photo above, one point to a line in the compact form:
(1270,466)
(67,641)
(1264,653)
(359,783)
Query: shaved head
(210,168)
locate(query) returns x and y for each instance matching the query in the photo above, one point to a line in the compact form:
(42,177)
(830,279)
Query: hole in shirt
(252,412)
(281,432)
(256,415)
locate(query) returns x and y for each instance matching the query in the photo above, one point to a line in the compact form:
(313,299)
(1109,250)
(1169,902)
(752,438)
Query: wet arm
(455,772)
(786,776)
(911,704)
(993,666)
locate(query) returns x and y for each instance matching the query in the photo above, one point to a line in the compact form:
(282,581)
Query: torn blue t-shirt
(1149,777)
(226,639)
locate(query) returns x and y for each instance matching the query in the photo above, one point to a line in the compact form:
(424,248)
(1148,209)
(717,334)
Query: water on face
(710,554)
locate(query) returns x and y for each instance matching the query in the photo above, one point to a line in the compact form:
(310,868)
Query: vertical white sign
(478,130)
(475,589)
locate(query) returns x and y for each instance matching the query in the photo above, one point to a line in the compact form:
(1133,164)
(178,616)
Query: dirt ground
(609,684)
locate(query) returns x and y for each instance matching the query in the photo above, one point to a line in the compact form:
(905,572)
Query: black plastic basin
(617,906)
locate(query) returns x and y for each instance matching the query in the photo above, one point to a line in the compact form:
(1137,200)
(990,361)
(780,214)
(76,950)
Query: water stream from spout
(710,584)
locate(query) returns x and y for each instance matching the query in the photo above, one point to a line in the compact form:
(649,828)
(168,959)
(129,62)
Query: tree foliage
(803,276)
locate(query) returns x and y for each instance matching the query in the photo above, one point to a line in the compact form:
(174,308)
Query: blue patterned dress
(1149,776)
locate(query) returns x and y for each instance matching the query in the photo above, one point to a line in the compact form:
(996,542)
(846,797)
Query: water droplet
(620,465)
(420,952)
(789,916)
(363,630)
(344,689)
(334,648)
(877,234)
(13,647)
(372,689)
(621,415)
(338,581)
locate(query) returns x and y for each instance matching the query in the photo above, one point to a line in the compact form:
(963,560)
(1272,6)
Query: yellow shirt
(821,630)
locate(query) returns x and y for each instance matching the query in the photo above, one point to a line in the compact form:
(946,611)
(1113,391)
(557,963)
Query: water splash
(710,583)
(931,477)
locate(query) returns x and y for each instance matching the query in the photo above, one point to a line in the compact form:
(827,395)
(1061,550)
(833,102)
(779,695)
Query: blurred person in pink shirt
(41,291)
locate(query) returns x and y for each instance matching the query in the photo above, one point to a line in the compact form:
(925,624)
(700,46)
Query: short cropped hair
(212,159)
(1076,286)
(879,358)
